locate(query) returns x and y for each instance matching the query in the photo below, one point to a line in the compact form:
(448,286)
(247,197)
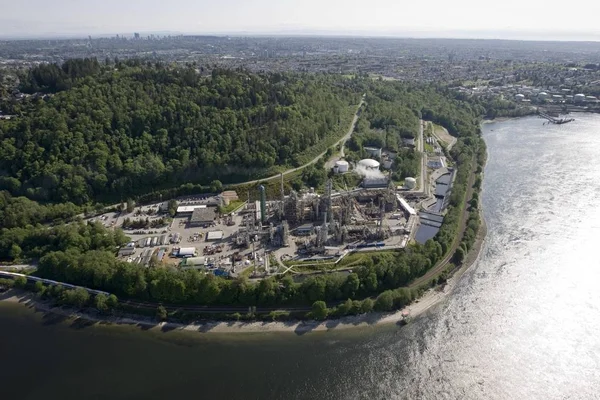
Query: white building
(188,210)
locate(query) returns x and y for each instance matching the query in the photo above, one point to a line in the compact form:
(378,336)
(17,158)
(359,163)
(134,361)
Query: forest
(384,123)
(108,132)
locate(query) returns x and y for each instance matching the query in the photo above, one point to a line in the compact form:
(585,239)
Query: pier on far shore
(554,120)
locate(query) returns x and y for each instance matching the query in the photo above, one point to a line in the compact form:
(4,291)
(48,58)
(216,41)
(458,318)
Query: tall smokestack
(263,204)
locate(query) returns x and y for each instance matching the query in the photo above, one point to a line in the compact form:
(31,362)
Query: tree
(39,288)
(344,309)
(319,310)
(366,306)
(172,208)
(130,205)
(459,255)
(161,313)
(15,252)
(79,297)
(216,186)
(351,285)
(112,301)
(20,282)
(385,301)
(100,302)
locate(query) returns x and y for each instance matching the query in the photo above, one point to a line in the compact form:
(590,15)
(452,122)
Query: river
(522,323)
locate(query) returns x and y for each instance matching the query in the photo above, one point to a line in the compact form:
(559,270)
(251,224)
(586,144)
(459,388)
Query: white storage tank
(578,98)
(341,166)
(543,95)
(410,183)
(369,163)
(520,97)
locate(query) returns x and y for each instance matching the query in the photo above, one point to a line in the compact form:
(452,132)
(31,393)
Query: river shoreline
(421,305)
(429,299)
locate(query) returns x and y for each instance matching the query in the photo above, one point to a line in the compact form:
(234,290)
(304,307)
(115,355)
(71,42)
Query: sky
(511,19)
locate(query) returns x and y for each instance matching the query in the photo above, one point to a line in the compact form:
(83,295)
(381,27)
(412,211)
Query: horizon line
(525,36)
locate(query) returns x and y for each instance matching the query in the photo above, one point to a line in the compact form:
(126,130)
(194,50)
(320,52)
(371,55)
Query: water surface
(522,323)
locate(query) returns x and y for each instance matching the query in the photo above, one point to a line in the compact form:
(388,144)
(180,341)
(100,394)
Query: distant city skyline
(508,19)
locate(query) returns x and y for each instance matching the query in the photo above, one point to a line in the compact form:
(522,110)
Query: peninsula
(185,191)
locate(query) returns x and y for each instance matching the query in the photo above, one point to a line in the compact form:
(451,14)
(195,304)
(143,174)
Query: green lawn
(359,258)
(234,205)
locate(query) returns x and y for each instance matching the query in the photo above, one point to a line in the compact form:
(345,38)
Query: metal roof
(188,209)
(215,235)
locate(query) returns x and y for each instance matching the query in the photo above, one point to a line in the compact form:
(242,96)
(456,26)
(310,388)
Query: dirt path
(342,142)
(443,136)
(314,160)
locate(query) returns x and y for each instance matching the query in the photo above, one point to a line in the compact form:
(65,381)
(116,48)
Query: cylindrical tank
(410,183)
(263,204)
(369,164)
(341,166)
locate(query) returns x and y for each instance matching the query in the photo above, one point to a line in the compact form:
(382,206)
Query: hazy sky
(376,17)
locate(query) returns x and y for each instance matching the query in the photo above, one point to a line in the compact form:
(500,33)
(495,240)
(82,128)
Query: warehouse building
(203,216)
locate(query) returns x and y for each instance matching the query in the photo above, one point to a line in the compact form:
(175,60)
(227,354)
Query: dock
(554,120)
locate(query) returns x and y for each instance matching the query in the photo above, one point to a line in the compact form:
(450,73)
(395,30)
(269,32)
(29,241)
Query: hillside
(112,131)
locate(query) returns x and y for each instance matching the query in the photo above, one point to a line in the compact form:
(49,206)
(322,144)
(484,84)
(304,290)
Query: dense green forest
(20,211)
(113,131)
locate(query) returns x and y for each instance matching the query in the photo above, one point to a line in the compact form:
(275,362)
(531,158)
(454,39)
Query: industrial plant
(278,231)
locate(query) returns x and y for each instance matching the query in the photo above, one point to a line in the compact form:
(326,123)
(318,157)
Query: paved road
(424,185)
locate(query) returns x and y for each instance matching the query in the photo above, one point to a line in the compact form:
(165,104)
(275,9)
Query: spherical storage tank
(341,166)
(410,183)
(369,163)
